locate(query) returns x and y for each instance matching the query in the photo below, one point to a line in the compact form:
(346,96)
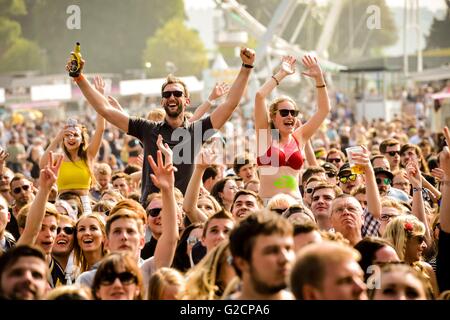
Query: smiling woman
(280,136)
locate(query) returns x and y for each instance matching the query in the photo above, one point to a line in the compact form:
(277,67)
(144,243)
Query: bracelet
(79,78)
(322,86)
(414,189)
(210,102)
(276,80)
(249,66)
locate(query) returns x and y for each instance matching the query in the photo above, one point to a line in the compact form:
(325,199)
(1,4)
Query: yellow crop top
(74,175)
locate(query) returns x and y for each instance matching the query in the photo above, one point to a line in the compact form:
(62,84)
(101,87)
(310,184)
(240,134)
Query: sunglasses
(309,190)
(346,179)
(154,212)
(286,112)
(385,181)
(67,230)
(331,175)
(25,187)
(168,94)
(278,210)
(337,160)
(393,153)
(124,277)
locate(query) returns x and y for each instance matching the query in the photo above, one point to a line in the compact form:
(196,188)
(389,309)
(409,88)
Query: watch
(416,189)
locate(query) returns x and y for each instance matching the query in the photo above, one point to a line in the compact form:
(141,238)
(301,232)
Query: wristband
(79,78)
(322,86)
(249,66)
(276,80)
(416,189)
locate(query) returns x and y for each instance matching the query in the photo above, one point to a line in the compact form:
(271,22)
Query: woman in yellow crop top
(75,174)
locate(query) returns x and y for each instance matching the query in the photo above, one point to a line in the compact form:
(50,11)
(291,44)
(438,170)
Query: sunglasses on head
(331,175)
(278,210)
(309,190)
(154,212)
(386,217)
(67,230)
(286,112)
(385,181)
(124,277)
(168,94)
(346,179)
(25,187)
(393,153)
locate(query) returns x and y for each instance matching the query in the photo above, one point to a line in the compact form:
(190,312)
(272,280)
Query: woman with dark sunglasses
(118,277)
(63,246)
(280,155)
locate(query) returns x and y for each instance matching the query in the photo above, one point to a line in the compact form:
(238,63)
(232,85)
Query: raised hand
(288,65)
(219,90)
(444,156)
(166,151)
(68,65)
(49,174)
(205,158)
(99,84)
(362,158)
(3,156)
(414,176)
(247,56)
(438,173)
(162,176)
(114,103)
(312,66)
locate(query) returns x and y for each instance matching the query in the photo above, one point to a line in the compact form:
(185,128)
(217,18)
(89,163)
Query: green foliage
(9,31)
(22,55)
(12,8)
(438,37)
(112,34)
(175,43)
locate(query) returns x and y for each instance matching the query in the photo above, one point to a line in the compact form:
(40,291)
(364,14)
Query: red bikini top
(294,160)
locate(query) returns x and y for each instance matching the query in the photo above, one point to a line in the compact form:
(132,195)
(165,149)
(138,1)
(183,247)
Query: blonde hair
(78,254)
(203,279)
(162,278)
(281,200)
(400,229)
(273,107)
(157,114)
(72,292)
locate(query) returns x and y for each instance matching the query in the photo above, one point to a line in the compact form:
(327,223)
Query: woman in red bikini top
(280,155)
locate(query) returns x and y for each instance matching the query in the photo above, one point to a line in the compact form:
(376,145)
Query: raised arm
(219,90)
(97,138)
(100,103)
(372,193)
(309,154)
(3,156)
(418,207)
(261,114)
(204,159)
(323,102)
(223,112)
(47,178)
(163,178)
(54,144)
(444,164)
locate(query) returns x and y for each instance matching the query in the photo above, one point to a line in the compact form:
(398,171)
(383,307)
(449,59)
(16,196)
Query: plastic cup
(355,168)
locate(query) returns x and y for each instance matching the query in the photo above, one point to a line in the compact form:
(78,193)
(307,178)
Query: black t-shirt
(149,249)
(443,261)
(12,226)
(184,141)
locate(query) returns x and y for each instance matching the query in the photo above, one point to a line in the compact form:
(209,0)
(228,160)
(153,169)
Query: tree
(112,33)
(16,52)
(438,37)
(175,43)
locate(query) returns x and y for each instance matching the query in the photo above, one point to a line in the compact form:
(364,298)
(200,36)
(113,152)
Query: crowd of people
(151,208)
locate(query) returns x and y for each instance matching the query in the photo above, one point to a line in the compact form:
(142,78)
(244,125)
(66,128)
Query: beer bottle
(75,61)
